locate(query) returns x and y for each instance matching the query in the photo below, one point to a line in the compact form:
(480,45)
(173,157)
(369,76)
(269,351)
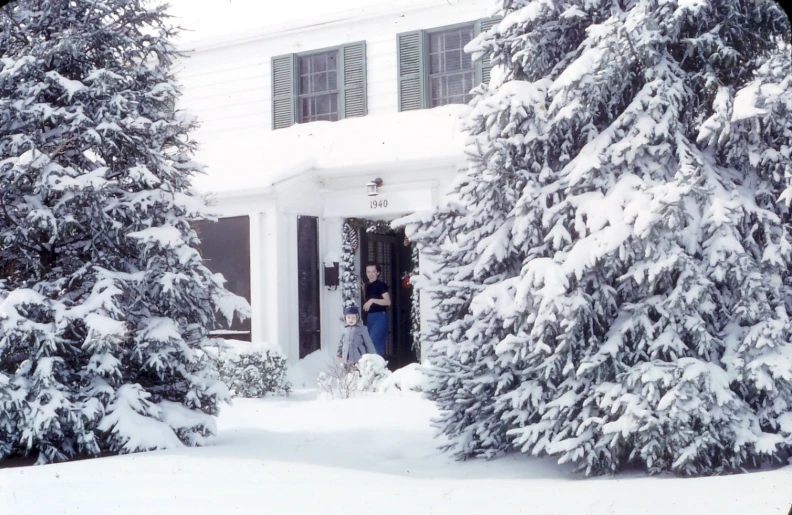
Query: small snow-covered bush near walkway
(255,374)
(251,371)
(409,378)
(343,381)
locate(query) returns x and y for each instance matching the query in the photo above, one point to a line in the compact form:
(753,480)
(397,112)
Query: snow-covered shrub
(372,370)
(338,381)
(411,377)
(342,381)
(303,373)
(254,374)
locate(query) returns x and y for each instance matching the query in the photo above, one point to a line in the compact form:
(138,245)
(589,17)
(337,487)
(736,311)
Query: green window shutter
(412,76)
(483,65)
(353,85)
(283,92)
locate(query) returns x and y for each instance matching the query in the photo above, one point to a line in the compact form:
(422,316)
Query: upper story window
(322,85)
(318,87)
(434,69)
(451,73)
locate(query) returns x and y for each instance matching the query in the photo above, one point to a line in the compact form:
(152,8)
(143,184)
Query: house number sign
(378,204)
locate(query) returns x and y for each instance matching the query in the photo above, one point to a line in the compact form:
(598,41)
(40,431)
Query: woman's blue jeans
(377,324)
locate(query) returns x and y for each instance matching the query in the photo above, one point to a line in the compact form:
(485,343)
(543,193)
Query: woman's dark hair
(375,265)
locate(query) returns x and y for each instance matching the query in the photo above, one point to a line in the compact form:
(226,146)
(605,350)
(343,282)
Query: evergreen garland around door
(350,289)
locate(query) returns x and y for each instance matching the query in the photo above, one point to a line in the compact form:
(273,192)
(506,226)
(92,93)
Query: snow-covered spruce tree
(613,267)
(104,301)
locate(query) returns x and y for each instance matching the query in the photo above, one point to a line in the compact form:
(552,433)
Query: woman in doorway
(377,299)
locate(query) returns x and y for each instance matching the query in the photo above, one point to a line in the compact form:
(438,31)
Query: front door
(393,256)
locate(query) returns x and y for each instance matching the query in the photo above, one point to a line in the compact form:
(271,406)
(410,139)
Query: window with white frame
(451,71)
(434,69)
(318,87)
(323,85)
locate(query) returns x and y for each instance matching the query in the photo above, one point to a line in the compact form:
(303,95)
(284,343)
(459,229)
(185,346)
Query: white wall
(228,86)
(258,276)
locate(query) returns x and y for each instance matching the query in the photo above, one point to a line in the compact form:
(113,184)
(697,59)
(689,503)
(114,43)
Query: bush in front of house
(341,381)
(373,370)
(254,374)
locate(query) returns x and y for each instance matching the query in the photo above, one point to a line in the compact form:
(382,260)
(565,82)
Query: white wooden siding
(229,87)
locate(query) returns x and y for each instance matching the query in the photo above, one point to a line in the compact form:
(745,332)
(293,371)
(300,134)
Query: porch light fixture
(372,188)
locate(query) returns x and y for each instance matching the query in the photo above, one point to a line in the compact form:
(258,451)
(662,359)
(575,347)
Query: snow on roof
(213,21)
(415,139)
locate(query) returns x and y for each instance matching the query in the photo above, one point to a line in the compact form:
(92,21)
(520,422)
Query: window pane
(465,61)
(318,83)
(436,42)
(305,65)
(454,60)
(436,92)
(450,68)
(453,40)
(456,84)
(322,105)
(434,63)
(320,62)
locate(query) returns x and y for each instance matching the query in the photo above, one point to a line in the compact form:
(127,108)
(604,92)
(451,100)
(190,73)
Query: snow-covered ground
(370,455)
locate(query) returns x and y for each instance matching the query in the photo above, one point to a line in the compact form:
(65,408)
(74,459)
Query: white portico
(331,190)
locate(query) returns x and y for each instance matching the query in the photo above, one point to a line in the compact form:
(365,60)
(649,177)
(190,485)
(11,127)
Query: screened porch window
(451,71)
(318,87)
(225,249)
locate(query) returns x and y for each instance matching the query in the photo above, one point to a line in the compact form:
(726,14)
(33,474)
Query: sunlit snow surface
(374,454)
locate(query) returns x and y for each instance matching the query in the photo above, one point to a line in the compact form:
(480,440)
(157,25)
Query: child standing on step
(356,340)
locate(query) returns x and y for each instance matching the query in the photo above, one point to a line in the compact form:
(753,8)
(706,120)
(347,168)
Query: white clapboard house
(321,124)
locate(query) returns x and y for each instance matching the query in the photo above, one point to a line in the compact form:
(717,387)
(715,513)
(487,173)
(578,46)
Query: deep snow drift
(373,454)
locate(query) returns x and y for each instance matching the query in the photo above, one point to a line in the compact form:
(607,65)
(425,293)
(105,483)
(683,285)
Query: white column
(258,265)
(271,274)
(288,303)
(332,302)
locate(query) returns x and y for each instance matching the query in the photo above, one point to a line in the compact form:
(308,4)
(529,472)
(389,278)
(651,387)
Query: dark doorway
(308,284)
(389,251)
(225,249)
